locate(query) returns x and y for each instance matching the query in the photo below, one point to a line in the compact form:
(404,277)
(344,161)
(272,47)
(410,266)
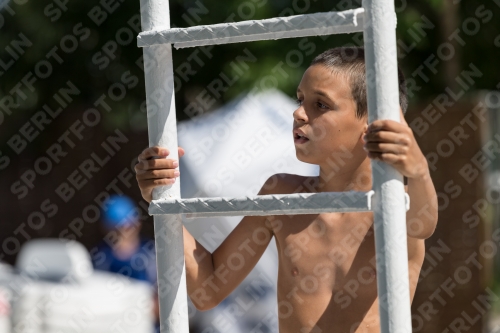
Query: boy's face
(327,117)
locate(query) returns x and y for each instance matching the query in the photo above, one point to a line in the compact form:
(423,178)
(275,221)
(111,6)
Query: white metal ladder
(387,199)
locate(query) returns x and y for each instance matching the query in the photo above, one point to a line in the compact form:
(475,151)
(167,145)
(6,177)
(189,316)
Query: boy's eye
(298,101)
(321,105)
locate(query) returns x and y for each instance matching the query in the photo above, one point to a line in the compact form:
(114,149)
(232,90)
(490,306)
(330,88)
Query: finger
(153,152)
(387,137)
(385,157)
(181,151)
(149,184)
(377,147)
(155,164)
(157,174)
(386,124)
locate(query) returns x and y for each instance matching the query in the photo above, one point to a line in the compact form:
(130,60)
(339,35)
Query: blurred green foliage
(38,22)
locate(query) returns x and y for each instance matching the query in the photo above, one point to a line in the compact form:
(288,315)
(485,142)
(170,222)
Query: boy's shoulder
(286,183)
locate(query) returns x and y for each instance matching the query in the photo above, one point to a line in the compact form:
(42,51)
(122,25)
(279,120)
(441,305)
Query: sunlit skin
(327,271)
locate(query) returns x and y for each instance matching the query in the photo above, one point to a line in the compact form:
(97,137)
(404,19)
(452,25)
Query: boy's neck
(346,178)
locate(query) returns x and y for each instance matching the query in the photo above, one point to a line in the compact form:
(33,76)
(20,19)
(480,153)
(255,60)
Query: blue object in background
(120,212)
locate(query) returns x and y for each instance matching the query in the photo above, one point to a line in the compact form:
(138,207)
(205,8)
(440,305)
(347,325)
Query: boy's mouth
(299,137)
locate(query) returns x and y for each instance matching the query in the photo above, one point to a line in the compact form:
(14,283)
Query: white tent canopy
(233,150)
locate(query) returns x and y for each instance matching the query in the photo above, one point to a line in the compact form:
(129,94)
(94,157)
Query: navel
(295,271)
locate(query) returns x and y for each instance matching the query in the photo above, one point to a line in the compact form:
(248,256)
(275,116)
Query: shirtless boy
(327,271)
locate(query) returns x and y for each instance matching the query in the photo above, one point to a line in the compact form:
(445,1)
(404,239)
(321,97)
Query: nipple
(295,271)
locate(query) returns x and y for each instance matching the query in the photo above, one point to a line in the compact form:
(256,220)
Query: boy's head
(331,117)
(350,62)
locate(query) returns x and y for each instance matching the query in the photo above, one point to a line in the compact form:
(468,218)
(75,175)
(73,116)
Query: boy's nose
(300,114)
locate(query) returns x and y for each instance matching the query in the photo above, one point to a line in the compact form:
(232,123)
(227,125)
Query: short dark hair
(350,61)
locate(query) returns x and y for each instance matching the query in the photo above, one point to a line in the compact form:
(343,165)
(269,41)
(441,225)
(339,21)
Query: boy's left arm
(395,144)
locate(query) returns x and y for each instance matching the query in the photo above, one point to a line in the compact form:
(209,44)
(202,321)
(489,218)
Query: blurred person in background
(123,250)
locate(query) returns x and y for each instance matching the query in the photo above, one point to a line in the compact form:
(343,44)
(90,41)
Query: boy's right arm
(211,277)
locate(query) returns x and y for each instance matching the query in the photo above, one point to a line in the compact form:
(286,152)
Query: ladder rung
(317,24)
(276,204)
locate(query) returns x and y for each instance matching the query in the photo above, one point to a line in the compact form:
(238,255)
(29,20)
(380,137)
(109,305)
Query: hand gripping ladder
(387,199)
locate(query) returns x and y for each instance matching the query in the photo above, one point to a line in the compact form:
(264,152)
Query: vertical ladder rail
(388,202)
(162,129)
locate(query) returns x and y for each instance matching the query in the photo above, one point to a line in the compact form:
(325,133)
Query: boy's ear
(365,127)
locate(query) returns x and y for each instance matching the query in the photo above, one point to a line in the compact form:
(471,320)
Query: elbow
(425,231)
(432,222)
(424,235)
(431,232)
(205,306)
(203,301)
(421,224)
(433,218)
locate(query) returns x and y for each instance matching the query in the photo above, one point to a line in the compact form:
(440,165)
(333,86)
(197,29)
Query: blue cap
(120,211)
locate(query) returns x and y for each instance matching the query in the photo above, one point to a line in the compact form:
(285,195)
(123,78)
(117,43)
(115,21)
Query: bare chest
(326,248)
